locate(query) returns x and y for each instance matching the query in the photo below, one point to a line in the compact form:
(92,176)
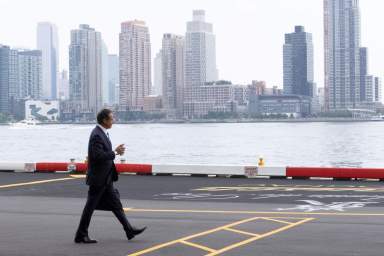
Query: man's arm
(97,149)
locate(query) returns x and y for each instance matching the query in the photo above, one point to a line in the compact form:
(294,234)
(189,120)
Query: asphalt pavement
(188,216)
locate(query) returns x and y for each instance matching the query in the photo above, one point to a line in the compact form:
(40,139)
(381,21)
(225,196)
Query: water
(281,144)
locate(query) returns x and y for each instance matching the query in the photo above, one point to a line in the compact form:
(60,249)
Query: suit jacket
(101,168)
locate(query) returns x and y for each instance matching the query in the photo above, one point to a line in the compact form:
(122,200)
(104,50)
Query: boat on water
(25,123)
(377,118)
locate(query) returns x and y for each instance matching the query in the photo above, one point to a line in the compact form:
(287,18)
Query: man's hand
(120,149)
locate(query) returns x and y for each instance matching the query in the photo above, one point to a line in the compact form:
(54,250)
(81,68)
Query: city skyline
(258,47)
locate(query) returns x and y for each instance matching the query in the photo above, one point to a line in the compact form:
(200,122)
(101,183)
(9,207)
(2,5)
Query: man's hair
(103,115)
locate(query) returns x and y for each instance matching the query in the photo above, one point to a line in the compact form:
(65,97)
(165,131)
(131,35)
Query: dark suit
(100,177)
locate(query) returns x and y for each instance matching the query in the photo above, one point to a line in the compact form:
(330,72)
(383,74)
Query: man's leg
(118,211)
(116,207)
(94,195)
(120,215)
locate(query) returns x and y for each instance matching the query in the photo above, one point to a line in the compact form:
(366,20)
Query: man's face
(108,121)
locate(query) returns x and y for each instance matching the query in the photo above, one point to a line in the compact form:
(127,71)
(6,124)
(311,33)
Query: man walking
(100,177)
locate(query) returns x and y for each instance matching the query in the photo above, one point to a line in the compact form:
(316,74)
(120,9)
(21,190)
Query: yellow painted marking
(280,221)
(254,212)
(202,247)
(241,232)
(293,188)
(225,227)
(154,248)
(33,182)
(78,175)
(291,218)
(225,249)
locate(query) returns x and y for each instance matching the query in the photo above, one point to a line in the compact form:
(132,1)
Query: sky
(249,33)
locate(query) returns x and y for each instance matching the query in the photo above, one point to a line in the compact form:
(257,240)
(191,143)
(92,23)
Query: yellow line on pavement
(33,182)
(254,212)
(257,238)
(290,188)
(280,221)
(241,232)
(154,248)
(202,247)
(78,175)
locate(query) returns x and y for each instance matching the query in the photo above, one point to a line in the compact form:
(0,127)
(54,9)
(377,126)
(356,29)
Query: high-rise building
(342,53)
(25,74)
(48,44)
(158,74)
(30,74)
(4,78)
(14,81)
(85,69)
(363,73)
(369,91)
(298,63)
(173,74)
(367,82)
(200,51)
(113,78)
(20,77)
(63,85)
(135,64)
(377,89)
(105,82)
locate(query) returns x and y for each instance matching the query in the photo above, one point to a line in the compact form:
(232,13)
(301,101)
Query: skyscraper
(113,78)
(135,64)
(342,53)
(105,69)
(4,79)
(377,89)
(173,74)
(158,74)
(200,51)
(85,69)
(363,73)
(298,63)
(30,74)
(14,81)
(63,85)
(367,82)
(47,43)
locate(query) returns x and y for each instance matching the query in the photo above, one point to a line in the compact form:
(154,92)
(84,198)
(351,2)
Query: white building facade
(135,64)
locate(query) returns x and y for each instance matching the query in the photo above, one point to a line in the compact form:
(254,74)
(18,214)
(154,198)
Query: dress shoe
(85,240)
(134,232)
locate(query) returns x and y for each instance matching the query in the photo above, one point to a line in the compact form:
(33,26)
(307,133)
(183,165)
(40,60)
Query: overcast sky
(249,33)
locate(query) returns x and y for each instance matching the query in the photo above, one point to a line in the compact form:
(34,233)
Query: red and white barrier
(227,170)
(82,167)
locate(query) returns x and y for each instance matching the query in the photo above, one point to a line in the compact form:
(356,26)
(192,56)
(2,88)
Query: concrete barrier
(17,167)
(197,169)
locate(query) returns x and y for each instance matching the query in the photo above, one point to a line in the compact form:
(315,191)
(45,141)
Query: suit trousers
(105,198)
